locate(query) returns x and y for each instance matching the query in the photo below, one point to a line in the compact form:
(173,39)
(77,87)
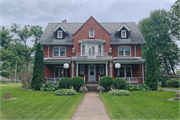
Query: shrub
(100,88)
(61,83)
(83,89)
(77,82)
(137,87)
(175,82)
(122,83)
(105,81)
(169,83)
(144,87)
(49,87)
(119,93)
(128,85)
(64,92)
(163,83)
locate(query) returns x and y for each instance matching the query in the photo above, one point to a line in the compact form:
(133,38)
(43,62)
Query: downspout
(143,70)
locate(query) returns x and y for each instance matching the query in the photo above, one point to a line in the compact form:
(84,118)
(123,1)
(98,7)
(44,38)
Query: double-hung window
(83,49)
(99,49)
(91,33)
(59,34)
(123,33)
(58,71)
(124,51)
(59,51)
(125,71)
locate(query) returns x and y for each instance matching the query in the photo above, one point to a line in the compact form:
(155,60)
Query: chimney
(64,21)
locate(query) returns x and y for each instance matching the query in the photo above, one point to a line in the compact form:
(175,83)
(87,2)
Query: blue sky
(41,12)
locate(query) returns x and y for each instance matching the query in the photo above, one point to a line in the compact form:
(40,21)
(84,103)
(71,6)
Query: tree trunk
(171,66)
(164,57)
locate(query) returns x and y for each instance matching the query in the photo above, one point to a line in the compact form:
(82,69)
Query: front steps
(92,87)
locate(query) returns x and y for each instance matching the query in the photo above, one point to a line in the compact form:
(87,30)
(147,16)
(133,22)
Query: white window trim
(124,50)
(90,34)
(59,51)
(128,70)
(122,34)
(62,70)
(80,69)
(100,69)
(59,32)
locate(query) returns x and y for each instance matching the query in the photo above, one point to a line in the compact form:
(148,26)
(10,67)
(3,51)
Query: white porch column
(106,69)
(110,69)
(76,69)
(143,72)
(72,69)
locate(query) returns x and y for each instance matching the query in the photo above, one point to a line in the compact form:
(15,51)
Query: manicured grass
(37,104)
(169,88)
(9,83)
(142,105)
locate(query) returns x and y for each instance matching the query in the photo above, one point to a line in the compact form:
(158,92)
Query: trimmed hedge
(173,82)
(106,81)
(119,93)
(77,82)
(122,83)
(163,83)
(65,92)
(61,83)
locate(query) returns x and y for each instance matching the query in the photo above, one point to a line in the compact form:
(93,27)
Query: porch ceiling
(128,60)
(56,61)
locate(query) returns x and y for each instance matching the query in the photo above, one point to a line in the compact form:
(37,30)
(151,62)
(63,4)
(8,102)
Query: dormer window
(91,33)
(59,34)
(123,33)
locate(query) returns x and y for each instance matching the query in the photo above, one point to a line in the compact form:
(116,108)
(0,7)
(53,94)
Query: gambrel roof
(134,38)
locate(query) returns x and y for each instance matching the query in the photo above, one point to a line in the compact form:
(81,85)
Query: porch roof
(56,61)
(134,60)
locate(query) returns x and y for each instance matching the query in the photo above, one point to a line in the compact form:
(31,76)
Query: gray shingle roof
(48,36)
(128,60)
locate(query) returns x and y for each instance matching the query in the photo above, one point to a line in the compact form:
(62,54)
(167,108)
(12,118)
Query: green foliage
(5,36)
(119,93)
(144,87)
(150,77)
(65,92)
(106,81)
(61,83)
(38,70)
(100,88)
(77,82)
(137,87)
(163,83)
(122,83)
(49,87)
(5,74)
(173,82)
(169,83)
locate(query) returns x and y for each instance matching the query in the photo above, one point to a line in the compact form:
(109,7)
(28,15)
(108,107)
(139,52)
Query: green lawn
(37,104)
(9,83)
(169,88)
(142,105)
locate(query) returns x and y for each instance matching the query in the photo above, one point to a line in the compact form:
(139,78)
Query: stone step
(91,85)
(92,89)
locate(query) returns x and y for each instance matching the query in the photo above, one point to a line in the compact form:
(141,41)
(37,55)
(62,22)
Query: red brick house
(92,49)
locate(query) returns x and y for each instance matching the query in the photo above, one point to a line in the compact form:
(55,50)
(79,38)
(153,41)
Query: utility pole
(15,72)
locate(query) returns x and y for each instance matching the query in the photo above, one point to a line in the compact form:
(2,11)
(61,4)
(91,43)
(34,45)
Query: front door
(91,73)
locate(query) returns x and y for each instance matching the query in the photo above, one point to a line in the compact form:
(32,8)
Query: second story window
(124,51)
(99,49)
(59,51)
(83,49)
(91,33)
(123,33)
(59,34)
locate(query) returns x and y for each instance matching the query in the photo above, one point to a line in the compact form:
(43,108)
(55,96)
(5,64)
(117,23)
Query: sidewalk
(91,108)
(170,90)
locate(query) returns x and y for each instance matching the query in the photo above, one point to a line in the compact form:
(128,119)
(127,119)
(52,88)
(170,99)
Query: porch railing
(131,79)
(102,55)
(54,80)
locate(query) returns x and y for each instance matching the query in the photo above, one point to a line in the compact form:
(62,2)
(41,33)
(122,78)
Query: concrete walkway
(173,90)
(91,108)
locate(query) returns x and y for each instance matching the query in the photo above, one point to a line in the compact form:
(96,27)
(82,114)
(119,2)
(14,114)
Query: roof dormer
(59,32)
(123,31)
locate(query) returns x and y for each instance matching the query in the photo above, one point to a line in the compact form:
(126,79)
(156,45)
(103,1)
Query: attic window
(59,34)
(91,33)
(123,33)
